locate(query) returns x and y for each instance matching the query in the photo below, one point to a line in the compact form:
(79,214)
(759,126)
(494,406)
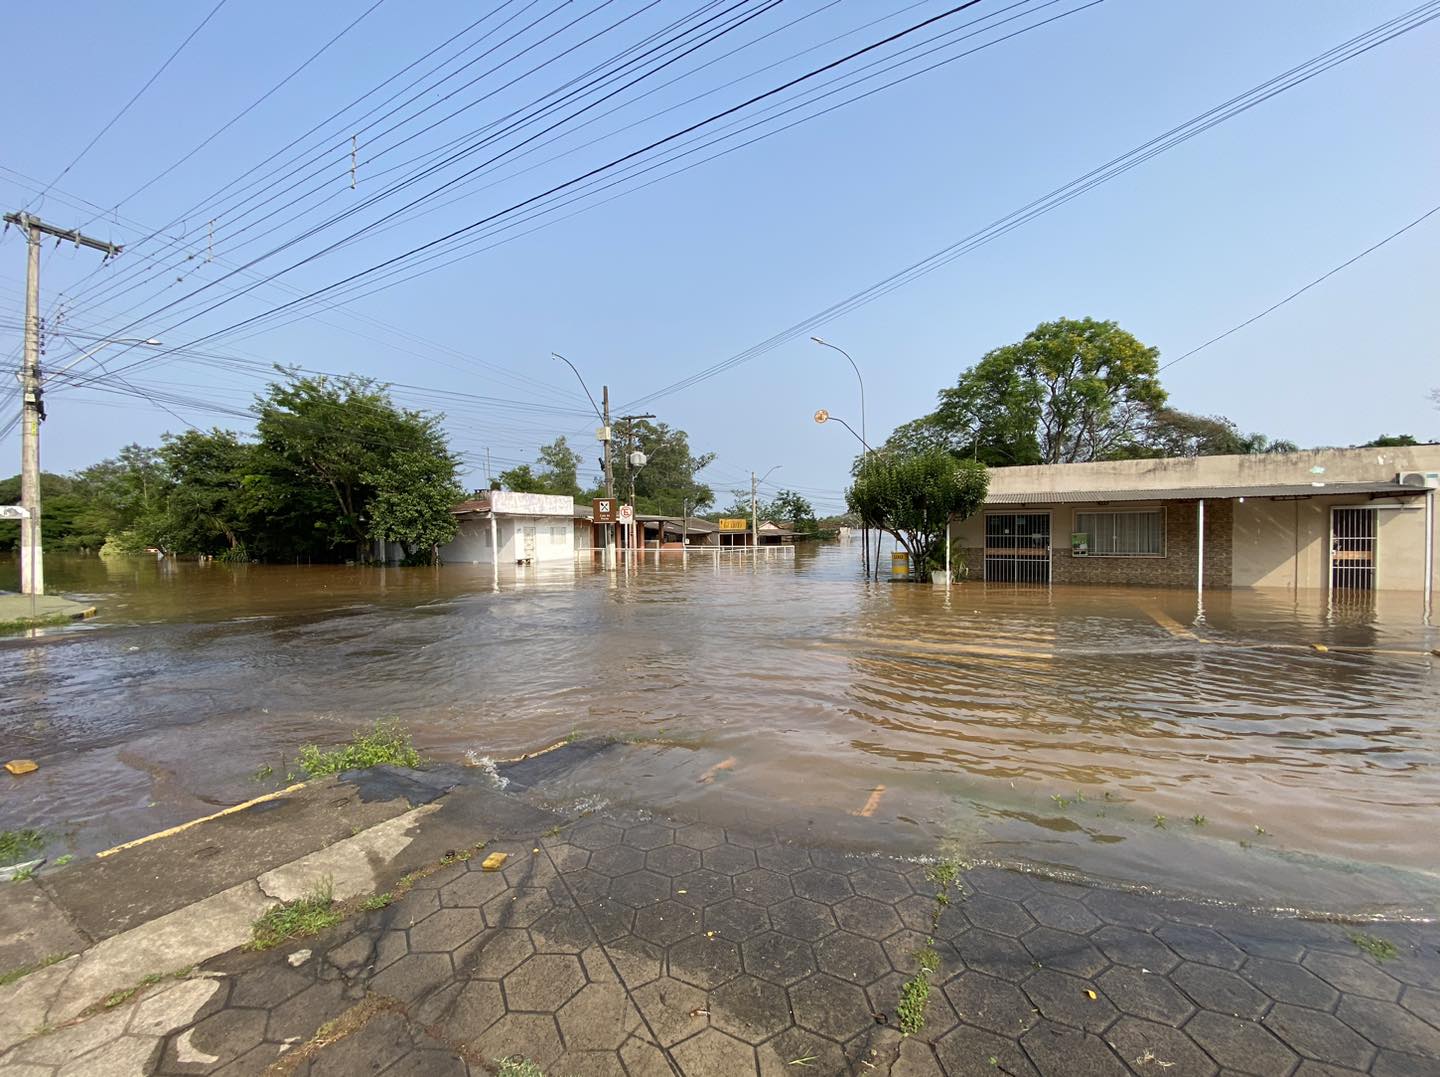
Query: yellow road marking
(203,819)
(709,775)
(1165,621)
(871,803)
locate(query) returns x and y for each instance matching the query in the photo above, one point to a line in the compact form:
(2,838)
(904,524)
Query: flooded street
(1276,747)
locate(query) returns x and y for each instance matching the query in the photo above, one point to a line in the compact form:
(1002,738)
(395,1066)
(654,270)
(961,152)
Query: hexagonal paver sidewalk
(632,944)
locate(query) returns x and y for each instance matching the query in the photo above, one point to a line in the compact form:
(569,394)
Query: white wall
(554,540)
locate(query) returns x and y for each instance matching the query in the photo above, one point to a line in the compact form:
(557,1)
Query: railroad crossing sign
(603,510)
(626,515)
(14,512)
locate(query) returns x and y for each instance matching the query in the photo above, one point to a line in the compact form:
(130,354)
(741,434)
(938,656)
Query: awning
(1208,493)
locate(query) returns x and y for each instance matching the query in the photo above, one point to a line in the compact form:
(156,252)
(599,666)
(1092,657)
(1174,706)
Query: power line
(1295,76)
(755,99)
(126,107)
(1301,291)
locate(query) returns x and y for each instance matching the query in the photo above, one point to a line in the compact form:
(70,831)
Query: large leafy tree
(414,493)
(1072,389)
(555,472)
(913,497)
(669,477)
(791,508)
(322,443)
(208,506)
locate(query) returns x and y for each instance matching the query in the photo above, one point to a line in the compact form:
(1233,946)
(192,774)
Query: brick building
(1335,518)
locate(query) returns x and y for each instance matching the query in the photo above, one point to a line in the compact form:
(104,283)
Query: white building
(523,528)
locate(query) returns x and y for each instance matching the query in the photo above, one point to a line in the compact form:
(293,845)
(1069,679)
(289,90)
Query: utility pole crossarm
(30,222)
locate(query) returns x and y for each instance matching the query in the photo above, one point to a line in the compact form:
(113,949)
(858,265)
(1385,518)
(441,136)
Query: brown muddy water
(1097,731)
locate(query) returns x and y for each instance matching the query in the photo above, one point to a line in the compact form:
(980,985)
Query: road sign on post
(625,515)
(604,510)
(14,512)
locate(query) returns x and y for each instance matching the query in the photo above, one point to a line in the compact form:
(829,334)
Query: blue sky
(665,281)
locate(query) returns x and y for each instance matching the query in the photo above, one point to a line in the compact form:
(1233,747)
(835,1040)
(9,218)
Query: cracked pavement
(631,944)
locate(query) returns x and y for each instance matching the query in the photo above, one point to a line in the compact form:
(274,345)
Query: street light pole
(604,435)
(822,416)
(864,440)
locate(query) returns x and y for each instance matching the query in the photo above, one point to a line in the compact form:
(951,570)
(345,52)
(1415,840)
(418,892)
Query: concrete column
(1200,545)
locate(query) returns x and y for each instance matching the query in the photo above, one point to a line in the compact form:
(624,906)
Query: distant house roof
(771,527)
(1193,493)
(693,524)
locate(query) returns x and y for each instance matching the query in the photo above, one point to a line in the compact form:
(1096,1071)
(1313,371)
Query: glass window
(1123,534)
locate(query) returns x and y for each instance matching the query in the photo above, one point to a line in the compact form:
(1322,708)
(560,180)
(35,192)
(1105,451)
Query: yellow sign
(732,523)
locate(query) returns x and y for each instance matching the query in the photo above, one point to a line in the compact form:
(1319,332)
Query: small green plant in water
(61,861)
(1160,822)
(17,845)
(1260,829)
(517,1066)
(296,919)
(262,772)
(1061,801)
(1198,820)
(1378,948)
(385,743)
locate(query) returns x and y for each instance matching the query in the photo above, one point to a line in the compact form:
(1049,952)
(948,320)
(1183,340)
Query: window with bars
(1123,534)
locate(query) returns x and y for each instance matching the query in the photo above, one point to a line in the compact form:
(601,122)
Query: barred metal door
(1017,547)
(1352,549)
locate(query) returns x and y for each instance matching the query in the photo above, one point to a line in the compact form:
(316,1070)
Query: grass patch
(7,978)
(385,742)
(377,901)
(24,875)
(297,919)
(61,861)
(23,624)
(1378,948)
(17,845)
(517,1066)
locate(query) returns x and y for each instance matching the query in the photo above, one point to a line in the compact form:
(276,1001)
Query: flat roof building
(1361,519)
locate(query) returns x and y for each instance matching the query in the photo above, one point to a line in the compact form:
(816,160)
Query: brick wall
(1175,569)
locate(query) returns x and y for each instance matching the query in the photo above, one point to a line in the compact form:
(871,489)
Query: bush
(385,743)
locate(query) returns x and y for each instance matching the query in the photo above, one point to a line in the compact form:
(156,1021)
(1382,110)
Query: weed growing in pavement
(304,916)
(17,845)
(1061,801)
(23,875)
(385,743)
(1260,830)
(517,1066)
(1378,948)
(377,901)
(22,624)
(7,978)
(910,1012)
(61,861)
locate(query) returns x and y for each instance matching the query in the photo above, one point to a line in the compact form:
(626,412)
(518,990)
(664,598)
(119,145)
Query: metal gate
(1352,549)
(1017,547)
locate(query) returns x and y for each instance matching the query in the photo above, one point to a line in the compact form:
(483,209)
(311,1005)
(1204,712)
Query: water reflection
(1004,716)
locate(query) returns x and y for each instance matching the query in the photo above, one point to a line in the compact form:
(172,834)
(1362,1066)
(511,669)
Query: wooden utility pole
(32,564)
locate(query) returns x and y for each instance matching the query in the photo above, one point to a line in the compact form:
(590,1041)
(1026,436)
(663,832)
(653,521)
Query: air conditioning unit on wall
(1429,480)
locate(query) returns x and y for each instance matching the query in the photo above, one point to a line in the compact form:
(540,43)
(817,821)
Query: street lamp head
(822,416)
(152,342)
(817,340)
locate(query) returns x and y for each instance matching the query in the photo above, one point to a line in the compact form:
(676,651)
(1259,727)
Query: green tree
(1071,390)
(555,472)
(414,493)
(208,506)
(322,440)
(914,496)
(670,473)
(1390,441)
(790,508)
